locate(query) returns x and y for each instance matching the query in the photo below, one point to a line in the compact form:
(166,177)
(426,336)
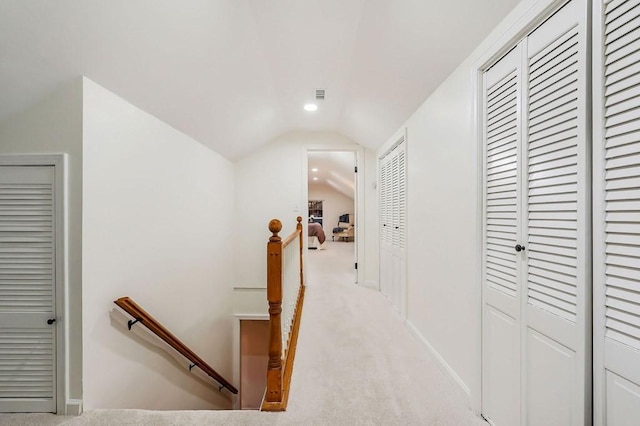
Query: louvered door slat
(554,286)
(614,9)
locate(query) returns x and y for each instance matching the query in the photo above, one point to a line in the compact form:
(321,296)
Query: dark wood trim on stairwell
(141,316)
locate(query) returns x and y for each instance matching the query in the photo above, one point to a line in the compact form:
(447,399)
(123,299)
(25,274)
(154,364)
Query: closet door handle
(519,247)
(51,321)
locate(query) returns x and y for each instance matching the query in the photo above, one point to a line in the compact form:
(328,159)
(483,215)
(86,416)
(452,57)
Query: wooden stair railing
(144,318)
(281,352)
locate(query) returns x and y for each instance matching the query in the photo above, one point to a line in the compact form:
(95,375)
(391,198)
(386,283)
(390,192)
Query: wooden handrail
(280,366)
(291,238)
(141,316)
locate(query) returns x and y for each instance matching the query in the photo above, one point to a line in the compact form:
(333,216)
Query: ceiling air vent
(319,94)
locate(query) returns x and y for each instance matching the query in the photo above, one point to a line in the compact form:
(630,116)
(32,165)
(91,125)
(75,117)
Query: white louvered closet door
(398,251)
(557,337)
(536,340)
(385,225)
(617,213)
(393,232)
(502,231)
(27,289)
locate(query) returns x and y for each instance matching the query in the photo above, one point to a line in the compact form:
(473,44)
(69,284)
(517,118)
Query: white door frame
(523,24)
(358,201)
(59,163)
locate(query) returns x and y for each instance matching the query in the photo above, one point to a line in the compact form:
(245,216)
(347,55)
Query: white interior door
(536,329)
(393,228)
(27,289)
(557,337)
(385,225)
(502,291)
(399,248)
(617,213)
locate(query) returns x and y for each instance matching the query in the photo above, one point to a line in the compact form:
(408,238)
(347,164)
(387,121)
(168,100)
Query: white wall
(334,204)
(54,125)
(272,183)
(443,213)
(158,227)
(372,218)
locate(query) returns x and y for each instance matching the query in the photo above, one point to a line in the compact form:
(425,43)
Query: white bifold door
(27,289)
(393,224)
(616,182)
(536,228)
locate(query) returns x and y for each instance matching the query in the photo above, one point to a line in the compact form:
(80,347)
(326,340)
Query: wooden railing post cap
(299,219)
(275,226)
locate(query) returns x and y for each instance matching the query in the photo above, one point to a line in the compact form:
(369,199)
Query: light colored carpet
(356,364)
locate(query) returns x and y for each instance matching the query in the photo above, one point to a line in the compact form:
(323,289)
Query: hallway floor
(356,364)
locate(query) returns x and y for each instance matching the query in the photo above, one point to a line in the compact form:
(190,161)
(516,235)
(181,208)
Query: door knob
(51,321)
(519,247)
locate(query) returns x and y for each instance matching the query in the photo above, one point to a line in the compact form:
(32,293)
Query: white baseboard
(443,364)
(73,407)
(371,284)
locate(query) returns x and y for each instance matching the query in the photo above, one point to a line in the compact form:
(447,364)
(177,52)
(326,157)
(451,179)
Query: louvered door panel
(393,224)
(553,176)
(616,204)
(26,363)
(386,211)
(502,184)
(556,222)
(26,247)
(388,206)
(395,198)
(27,289)
(384,219)
(622,172)
(502,192)
(402,198)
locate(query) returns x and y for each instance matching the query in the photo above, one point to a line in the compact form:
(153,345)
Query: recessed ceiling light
(314,169)
(315,178)
(310,107)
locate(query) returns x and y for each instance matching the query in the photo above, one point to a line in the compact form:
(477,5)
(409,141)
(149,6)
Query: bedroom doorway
(331,214)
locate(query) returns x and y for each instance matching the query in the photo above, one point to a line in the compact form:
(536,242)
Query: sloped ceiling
(334,169)
(234,74)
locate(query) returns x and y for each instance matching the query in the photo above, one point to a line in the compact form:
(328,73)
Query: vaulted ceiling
(234,74)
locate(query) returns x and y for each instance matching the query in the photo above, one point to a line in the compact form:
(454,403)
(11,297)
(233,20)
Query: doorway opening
(332,213)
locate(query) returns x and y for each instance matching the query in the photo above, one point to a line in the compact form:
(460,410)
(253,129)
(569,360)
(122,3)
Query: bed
(315,231)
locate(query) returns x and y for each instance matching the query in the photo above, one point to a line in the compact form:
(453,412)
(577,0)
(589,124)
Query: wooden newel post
(274,296)
(299,228)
